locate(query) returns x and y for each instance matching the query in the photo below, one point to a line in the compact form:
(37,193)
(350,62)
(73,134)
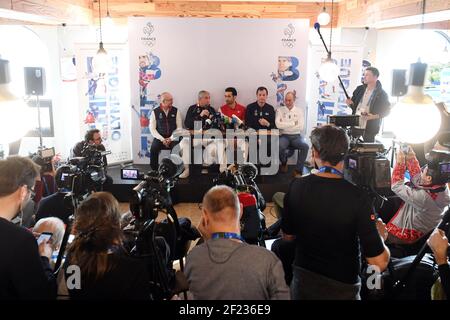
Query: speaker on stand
(398,89)
(35,85)
(399,86)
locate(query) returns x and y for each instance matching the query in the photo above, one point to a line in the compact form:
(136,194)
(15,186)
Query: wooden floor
(192,211)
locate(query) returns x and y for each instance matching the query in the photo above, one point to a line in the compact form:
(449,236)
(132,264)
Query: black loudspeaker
(34,81)
(398,83)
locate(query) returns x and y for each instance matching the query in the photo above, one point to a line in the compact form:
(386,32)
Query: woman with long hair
(106,271)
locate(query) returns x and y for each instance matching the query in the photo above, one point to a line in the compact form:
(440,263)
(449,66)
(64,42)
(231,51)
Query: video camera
(43,157)
(91,156)
(150,239)
(241,178)
(367,167)
(344,120)
(151,195)
(82,175)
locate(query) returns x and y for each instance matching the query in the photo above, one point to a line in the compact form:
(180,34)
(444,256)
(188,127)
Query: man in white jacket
(290,121)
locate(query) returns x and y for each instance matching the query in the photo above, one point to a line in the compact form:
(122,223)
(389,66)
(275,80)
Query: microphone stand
(317,27)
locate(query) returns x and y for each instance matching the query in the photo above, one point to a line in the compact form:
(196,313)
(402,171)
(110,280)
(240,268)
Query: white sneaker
(185,173)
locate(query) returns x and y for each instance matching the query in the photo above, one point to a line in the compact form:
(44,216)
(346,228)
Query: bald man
(226,268)
(291,122)
(163,122)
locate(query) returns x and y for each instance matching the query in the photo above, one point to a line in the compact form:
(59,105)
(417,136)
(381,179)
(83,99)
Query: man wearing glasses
(92,138)
(25,271)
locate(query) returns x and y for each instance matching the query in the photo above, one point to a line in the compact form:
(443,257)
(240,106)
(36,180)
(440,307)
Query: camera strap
(226,235)
(330,170)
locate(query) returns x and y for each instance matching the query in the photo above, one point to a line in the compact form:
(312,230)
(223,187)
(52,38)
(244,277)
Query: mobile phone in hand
(404,148)
(44,236)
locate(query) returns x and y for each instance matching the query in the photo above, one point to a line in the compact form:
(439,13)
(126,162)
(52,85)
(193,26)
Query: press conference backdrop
(104,102)
(186,55)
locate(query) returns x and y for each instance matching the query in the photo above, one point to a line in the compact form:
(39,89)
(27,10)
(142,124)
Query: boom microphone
(317,26)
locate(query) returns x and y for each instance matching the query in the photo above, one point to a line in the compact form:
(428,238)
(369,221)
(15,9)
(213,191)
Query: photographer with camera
(92,141)
(371,103)
(423,199)
(107,272)
(224,267)
(56,205)
(329,218)
(25,271)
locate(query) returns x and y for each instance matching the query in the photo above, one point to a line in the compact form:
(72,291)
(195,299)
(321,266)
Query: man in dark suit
(371,103)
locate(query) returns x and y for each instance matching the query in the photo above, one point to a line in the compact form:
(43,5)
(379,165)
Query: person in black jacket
(438,242)
(202,113)
(55,205)
(25,271)
(105,270)
(371,103)
(331,222)
(260,114)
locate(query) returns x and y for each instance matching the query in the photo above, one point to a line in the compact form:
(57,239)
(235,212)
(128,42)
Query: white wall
(60,42)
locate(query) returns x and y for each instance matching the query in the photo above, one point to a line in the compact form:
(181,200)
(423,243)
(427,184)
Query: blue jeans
(293,142)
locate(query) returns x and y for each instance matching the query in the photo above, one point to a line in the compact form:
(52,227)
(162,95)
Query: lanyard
(227,235)
(330,170)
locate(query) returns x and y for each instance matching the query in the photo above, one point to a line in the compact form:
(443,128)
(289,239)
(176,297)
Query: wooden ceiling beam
(76,12)
(347,13)
(361,13)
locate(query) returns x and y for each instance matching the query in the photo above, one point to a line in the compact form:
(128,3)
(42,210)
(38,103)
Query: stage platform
(195,186)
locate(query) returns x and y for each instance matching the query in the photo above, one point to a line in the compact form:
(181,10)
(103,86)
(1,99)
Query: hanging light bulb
(100,63)
(108,21)
(15,116)
(328,70)
(416,117)
(323,18)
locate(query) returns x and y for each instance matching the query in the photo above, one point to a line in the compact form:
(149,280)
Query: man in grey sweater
(226,268)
